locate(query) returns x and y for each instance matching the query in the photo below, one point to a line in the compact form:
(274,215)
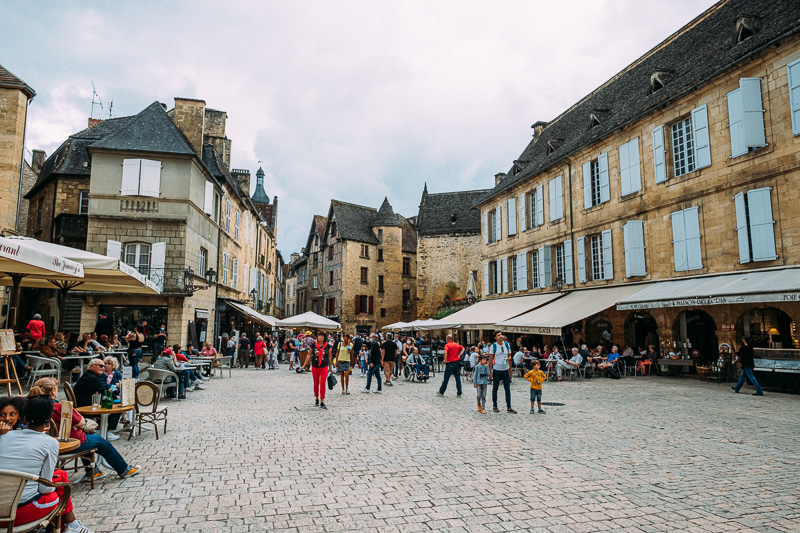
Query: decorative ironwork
(180,280)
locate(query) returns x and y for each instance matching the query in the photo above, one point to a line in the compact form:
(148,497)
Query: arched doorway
(598,331)
(641,329)
(699,329)
(757,323)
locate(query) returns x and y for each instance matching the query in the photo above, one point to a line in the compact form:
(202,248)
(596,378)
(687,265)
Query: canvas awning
(431,324)
(739,287)
(309,319)
(396,326)
(572,307)
(487,313)
(251,313)
(25,257)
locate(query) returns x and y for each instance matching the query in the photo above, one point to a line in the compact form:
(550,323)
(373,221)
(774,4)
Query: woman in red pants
(320,359)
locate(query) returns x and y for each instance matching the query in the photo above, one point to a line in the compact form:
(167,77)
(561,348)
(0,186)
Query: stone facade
(445,261)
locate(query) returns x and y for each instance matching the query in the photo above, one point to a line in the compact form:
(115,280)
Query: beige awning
(487,313)
(251,313)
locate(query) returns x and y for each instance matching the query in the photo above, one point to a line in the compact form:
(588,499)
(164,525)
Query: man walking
(389,353)
(452,357)
(375,364)
(500,353)
(745,354)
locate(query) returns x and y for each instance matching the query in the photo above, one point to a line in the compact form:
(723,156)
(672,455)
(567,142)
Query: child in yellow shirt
(536,377)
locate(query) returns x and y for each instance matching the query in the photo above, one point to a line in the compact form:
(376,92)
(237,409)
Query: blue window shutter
(741,228)
(633,166)
(735,124)
(702,143)
(551,189)
(498,228)
(581,253)
(522,271)
(626,243)
(762,229)
(633,236)
(752,112)
(793,71)
(679,241)
(659,156)
(522,212)
(504,273)
(608,255)
(540,205)
(545,275)
(587,185)
(568,272)
(498,277)
(486,278)
(605,186)
(691,226)
(511,208)
(560,195)
(624,170)
(486,227)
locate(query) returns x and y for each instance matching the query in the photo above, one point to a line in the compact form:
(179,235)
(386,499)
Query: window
(83,203)
(330,253)
(383,312)
(502,275)
(755,226)
(224,268)
(492,225)
(633,237)
(511,213)
(365,251)
(330,306)
(406,266)
(227,216)
(406,300)
(137,255)
(601,256)
(690,145)
(333,229)
(793,73)
(746,117)
(535,269)
(364,304)
(364,275)
(535,207)
(682,147)
(544,261)
(235,273)
(217,204)
(330,278)
(596,247)
(380,283)
(595,182)
(236,226)
(630,174)
(203,261)
(380,254)
(686,239)
(315,282)
(316,260)
(560,269)
(556,199)
(380,235)
(314,306)
(512,268)
(141,177)
(519,272)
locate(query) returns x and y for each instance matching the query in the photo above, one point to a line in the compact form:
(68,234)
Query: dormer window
(658,79)
(597,116)
(746,27)
(593,120)
(553,144)
(453,218)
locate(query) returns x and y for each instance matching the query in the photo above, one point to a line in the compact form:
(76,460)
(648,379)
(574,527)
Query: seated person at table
(83,347)
(103,340)
(110,374)
(165,362)
(649,358)
(33,452)
(114,343)
(96,346)
(518,359)
(181,357)
(94,381)
(48,388)
(208,350)
(613,358)
(418,363)
(572,364)
(20,366)
(61,343)
(49,349)
(11,410)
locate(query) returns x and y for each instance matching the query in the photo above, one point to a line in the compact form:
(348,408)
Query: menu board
(128,392)
(7,343)
(65,425)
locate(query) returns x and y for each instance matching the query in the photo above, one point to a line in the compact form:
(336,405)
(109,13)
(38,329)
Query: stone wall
(443,259)
(13,112)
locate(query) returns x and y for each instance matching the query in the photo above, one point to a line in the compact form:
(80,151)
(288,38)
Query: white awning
(734,288)
(487,313)
(309,319)
(265,320)
(574,306)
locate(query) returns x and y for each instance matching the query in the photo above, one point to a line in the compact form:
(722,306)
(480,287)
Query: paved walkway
(251,453)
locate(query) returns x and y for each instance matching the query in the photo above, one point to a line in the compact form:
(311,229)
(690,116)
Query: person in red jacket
(37,330)
(320,359)
(260,351)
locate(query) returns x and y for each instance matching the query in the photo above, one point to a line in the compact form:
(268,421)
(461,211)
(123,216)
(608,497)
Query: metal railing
(171,280)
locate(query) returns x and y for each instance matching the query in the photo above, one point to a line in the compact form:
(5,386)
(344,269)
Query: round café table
(68,445)
(104,413)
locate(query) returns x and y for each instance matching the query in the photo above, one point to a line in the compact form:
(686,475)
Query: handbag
(331,381)
(90,426)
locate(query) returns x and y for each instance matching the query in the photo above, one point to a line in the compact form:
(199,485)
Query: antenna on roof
(98,102)
(110,107)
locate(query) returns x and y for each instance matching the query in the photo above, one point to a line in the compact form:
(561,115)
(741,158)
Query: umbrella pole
(62,308)
(13,304)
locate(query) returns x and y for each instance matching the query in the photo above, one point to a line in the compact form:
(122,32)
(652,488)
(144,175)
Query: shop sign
(717,300)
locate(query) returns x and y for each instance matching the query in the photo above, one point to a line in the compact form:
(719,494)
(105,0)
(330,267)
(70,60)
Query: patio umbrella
(308,319)
(431,324)
(397,325)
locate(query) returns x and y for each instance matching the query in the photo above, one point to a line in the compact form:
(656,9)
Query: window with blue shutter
(742,228)
(700,135)
(793,71)
(596,186)
(540,205)
(522,218)
(605,186)
(486,279)
(569,277)
(608,256)
(762,232)
(630,177)
(581,254)
(497,277)
(735,125)
(633,237)
(556,200)
(686,239)
(586,170)
(659,155)
(504,273)
(498,226)
(511,208)
(545,275)
(486,238)
(746,117)
(522,271)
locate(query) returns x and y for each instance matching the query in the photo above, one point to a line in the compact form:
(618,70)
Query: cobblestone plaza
(648,454)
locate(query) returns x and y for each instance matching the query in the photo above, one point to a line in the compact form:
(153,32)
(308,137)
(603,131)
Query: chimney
(242,177)
(37,160)
(275,214)
(189,116)
(94,122)
(538,127)
(500,176)
(294,257)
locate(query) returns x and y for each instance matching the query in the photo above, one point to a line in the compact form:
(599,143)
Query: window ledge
(753,154)
(632,195)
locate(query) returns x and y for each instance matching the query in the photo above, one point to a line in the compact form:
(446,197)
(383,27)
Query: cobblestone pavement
(251,453)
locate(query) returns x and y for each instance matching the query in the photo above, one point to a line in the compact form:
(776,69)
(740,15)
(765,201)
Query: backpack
(613,373)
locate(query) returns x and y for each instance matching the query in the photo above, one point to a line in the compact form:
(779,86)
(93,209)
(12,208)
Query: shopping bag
(331,381)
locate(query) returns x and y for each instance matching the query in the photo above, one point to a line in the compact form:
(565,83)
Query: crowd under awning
(734,288)
(487,313)
(570,308)
(251,313)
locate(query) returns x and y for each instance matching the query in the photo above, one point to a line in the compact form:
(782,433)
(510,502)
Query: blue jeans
(184,380)
(376,371)
(505,377)
(19,364)
(536,395)
(749,373)
(105,450)
(421,369)
(451,369)
(134,359)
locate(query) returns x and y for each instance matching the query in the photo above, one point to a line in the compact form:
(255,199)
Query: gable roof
(386,215)
(698,52)
(409,235)
(9,81)
(353,221)
(149,131)
(318,226)
(449,212)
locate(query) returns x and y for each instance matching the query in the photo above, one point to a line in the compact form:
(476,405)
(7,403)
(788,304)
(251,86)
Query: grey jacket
(480,376)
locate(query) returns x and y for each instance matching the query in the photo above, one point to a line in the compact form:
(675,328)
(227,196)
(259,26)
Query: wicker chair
(146,407)
(88,458)
(12,484)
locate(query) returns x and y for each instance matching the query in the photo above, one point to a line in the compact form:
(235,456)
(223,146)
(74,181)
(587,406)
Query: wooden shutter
(486,278)
(759,205)
(752,113)
(511,207)
(679,241)
(608,255)
(358,304)
(522,212)
(540,205)
(504,274)
(587,185)
(371,302)
(702,143)
(486,227)
(624,170)
(691,224)
(245,275)
(253,278)
(158,256)
(605,186)
(568,272)
(633,237)
(235,280)
(130,177)
(581,253)
(741,228)
(522,271)
(208,201)
(114,249)
(659,156)
(498,223)
(735,124)
(545,273)
(793,73)
(150,181)
(556,203)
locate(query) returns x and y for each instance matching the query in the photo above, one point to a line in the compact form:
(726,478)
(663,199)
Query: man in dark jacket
(89,384)
(375,364)
(746,359)
(104,326)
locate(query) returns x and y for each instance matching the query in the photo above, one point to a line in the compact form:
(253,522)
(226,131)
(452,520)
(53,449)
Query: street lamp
(253,295)
(188,280)
(211,276)
(559,283)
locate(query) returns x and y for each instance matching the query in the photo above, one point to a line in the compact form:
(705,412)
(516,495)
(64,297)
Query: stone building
(314,266)
(448,248)
(676,178)
(155,190)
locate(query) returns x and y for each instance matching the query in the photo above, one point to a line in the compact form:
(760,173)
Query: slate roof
(386,215)
(318,226)
(353,221)
(409,235)
(9,81)
(260,195)
(149,131)
(449,212)
(700,51)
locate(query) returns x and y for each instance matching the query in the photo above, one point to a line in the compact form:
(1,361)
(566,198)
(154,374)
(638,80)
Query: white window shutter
(245,285)
(605,186)
(608,255)
(691,222)
(735,124)
(700,134)
(253,278)
(635,172)
(485,278)
(793,72)
(581,253)
(158,257)
(587,185)
(741,228)
(633,237)
(659,156)
(522,271)
(522,212)
(150,181)
(208,201)
(497,289)
(498,228)
(504,273)
(624,170)
(679,241)
(545,272)
(114,249)
(568,272)
(762,230)
(511,207)
(752,112)
(486,227)
(540,205)
(130,177)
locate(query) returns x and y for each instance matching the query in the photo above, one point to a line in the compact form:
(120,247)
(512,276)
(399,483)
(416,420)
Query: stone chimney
(242,177)
(500,176)
(37,160)
(94,122)
(294,257)
(190,116)
(538,127)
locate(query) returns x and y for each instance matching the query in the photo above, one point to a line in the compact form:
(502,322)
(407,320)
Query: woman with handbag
(343,362)
(135,340)
(320,359)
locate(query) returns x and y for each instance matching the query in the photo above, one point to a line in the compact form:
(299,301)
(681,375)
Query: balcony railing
(171,280)
(71,229)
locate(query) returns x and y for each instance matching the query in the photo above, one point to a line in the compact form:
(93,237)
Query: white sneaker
(199,387)
(189,389)
(378,392)
(110,437)
(197,382)
(79,527)
(365,391)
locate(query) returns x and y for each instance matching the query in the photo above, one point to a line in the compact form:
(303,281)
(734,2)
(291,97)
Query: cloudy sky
(353,100)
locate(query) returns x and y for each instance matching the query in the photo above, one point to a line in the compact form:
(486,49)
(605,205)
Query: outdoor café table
(88,411)
(204,363)
(81,359)
(68,445)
